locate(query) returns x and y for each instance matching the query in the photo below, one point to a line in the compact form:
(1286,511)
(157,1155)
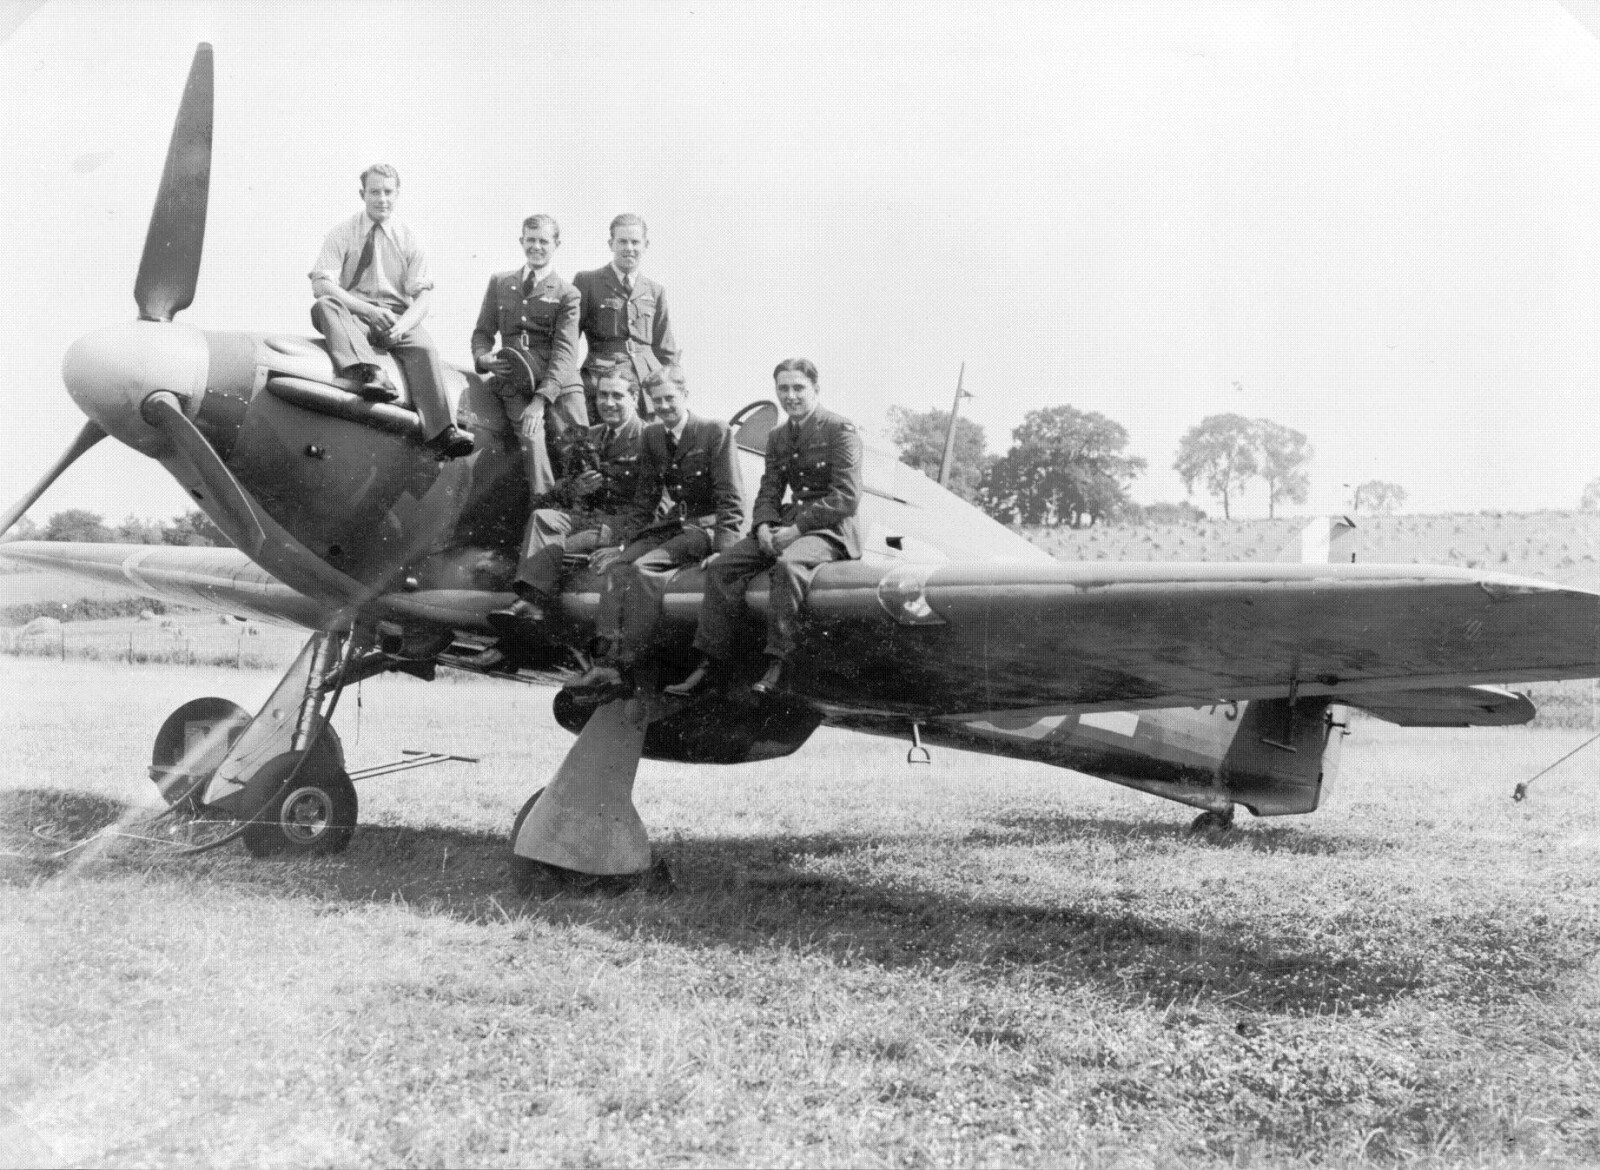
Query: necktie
(364,262)
(528,283)
(627,286)
(672,445)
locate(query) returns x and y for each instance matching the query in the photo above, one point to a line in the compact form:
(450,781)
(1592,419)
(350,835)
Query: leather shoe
(373,384)
(451,443)
(699,681)
(521,621)
(771,682)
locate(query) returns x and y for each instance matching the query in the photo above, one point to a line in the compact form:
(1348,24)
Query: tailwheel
(312,815)
(1211,821)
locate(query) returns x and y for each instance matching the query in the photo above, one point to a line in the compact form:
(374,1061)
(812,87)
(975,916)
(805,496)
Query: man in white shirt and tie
(372,287)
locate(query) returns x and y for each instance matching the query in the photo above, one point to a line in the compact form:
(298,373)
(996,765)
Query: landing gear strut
(279,777)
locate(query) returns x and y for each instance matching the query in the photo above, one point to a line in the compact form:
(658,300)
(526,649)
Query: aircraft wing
(220,579)
(967,639)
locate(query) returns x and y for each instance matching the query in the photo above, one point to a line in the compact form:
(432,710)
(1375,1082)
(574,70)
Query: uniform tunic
(816,464)
(584,523)
(632,329)
(541,324)
(688,503)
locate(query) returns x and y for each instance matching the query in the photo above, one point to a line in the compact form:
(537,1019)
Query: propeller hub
(111,372)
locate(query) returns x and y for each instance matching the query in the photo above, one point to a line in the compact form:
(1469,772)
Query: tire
(315,816)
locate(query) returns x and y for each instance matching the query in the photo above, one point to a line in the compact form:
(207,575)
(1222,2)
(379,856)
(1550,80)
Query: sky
(1373,222)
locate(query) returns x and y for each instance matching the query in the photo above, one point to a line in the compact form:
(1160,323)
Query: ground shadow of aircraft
(764,895)
(1215,685)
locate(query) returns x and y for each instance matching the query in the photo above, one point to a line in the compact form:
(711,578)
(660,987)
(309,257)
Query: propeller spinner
(111,372)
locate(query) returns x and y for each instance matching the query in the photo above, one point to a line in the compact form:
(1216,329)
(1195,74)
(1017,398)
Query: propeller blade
(170,266)
(231,507)
(88,437)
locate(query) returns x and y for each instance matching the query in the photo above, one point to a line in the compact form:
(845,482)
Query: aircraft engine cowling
(724,730)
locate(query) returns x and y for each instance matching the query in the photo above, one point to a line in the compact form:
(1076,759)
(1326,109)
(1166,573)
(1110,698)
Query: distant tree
(77,524)
(1220,453)
(919,437)
(1591,496)
(136,531)
(23,529)
(1284,454)
(1182,512)
(1378,497)
(193,528)
(1065,466)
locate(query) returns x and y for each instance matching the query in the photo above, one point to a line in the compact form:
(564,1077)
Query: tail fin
(1328,539)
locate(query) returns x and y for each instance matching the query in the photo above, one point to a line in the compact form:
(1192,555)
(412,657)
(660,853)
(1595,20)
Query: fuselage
(435,544)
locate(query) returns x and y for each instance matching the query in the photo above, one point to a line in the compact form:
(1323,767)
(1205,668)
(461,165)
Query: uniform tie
(527,284)
(364,262)
(672,445)
(627,286)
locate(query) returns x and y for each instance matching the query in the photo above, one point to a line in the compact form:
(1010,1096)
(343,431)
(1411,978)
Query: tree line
(1068,466)
(80,524)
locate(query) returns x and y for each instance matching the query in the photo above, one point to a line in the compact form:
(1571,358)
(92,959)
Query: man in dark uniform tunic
(535,372)
(625,313)
(688,504)
(592,501)
(816,459)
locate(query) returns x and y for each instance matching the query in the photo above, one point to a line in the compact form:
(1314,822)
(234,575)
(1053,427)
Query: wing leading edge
(965,639)
(220,579)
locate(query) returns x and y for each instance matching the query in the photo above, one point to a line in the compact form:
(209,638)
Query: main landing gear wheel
(1212,822)
(314,816)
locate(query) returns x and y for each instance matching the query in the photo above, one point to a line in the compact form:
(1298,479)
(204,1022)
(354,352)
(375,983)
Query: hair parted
(665,376)
(799,366)
(383,169)
(628,219)
(534,222)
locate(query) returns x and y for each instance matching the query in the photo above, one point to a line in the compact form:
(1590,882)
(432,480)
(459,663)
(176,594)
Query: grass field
(977,962)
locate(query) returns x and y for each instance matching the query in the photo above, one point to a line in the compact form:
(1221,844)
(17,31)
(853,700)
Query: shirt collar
(623,279)
(799,423)
(677,432)
(537,274)
(367,221)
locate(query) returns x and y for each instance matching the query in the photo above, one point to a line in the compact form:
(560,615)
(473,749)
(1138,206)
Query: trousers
(630,598)
(549,537)
(529,414)
(729,577)
(350,343)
